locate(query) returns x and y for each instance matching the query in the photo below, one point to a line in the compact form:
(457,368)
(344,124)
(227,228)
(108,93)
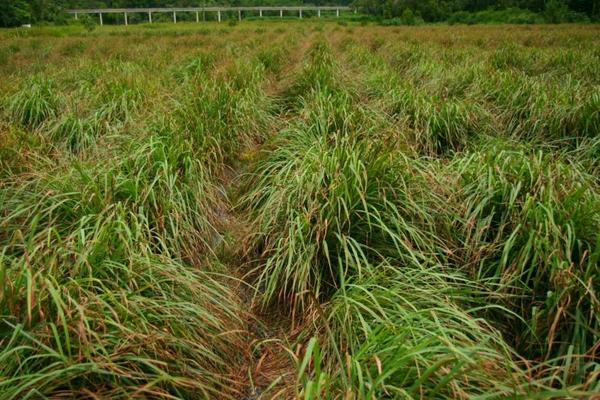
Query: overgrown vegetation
(482,11)
(300,211)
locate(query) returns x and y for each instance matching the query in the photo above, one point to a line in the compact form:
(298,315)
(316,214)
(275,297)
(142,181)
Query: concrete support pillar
(101,23)
(337,12)
(300,13)
(260,13)
(174,17)
(219,16)
(149,17)
(239,15)
(197,17)
(280,13)
(126,22)
(76,16)
(319,12)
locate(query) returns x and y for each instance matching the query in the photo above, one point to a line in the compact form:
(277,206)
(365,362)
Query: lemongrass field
(300,210)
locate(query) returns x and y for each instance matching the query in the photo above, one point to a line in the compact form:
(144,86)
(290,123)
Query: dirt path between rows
(269,371)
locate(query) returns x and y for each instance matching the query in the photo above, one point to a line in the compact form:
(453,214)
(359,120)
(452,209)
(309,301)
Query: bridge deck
(207,9)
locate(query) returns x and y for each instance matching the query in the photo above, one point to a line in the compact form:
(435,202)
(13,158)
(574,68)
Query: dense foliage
(409,12)
(440,10)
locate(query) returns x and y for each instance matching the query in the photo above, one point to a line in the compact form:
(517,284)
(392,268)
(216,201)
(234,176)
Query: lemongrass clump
(414,332)
(144,326)
(531,226)
(221,118)
(35,103)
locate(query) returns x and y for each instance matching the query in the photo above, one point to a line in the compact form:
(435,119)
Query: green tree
(88,23)
(408,17)
(555,11)
(14,12)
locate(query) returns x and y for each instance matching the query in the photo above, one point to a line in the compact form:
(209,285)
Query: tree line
(18,12)
(444,10)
